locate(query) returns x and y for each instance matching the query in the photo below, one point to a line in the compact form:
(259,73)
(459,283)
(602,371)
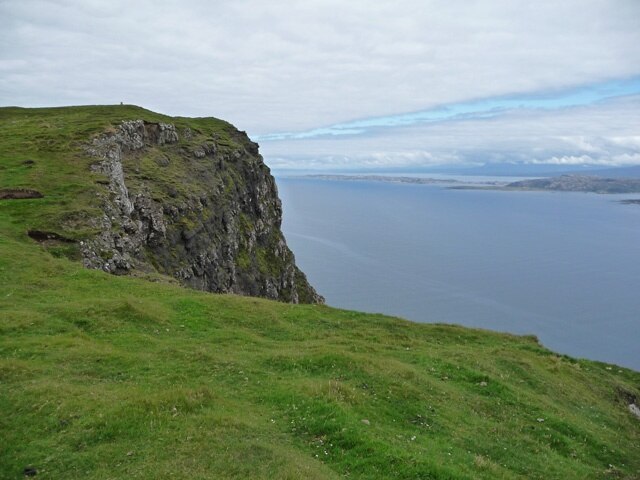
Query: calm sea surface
(562,266)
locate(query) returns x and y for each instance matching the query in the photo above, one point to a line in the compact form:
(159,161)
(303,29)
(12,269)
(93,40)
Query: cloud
(625,159)
(289,66)
(485,108)
(601,134)
(281,66)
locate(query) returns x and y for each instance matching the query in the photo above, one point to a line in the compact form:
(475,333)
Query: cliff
(187,198)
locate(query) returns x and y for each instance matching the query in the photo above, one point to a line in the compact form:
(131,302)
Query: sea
(562,266)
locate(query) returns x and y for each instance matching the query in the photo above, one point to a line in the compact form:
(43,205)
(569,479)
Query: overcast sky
(335,84)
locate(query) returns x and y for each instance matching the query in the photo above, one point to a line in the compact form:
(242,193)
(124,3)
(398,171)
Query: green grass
(105,377)
(110,377)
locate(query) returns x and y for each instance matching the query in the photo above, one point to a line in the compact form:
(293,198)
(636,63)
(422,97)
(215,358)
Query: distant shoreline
(562,183)
(410,180)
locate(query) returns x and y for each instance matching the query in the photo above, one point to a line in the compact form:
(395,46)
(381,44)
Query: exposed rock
(135,134)
(630,400)
(163,161)
(187,133)
(30,472)
(222,235)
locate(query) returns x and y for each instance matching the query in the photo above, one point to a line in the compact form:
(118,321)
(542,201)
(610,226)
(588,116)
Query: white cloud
(632,141)
(602,134)
(270,66)
(625,159)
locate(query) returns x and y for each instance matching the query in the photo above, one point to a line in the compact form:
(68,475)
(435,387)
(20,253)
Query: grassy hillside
(105,377)
(42,149)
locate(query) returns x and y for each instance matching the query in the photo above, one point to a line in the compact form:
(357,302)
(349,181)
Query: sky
(331,85)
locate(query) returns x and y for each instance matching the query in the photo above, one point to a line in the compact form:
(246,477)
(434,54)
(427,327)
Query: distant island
(562,183)
(571,183)
(412,180)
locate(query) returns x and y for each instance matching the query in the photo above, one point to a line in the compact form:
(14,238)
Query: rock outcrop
(199,206)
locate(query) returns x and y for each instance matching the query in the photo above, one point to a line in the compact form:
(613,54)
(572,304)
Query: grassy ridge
(109,377)
(106,377)
(42,148)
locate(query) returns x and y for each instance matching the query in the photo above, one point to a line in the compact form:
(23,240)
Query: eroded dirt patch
(42,237)
(19,193)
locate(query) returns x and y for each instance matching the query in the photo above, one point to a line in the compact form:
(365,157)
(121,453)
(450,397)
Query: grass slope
(111,377)
(105,377)
(42,149)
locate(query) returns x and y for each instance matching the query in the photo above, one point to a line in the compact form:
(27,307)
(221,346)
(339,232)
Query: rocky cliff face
(198,205)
